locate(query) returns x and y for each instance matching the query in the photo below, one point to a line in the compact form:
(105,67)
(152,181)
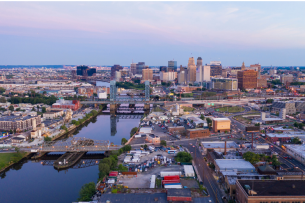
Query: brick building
(270,191)
(147,74)
(197,133)
(247,79)
(19,123)
(66,104)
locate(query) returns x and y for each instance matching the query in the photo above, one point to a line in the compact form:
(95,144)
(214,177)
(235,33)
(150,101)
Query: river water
(33,182)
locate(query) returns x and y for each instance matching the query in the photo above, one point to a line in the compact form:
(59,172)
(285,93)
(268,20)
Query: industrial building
(219,146)
(253,191)
(221,125)
(234,165)
(197,133)
(297,151)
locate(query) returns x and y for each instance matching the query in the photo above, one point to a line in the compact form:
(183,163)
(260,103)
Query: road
(204,172)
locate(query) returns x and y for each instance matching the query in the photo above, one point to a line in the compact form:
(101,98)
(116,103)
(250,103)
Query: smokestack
(225,153)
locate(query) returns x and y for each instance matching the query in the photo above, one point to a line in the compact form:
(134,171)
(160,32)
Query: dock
(68,159)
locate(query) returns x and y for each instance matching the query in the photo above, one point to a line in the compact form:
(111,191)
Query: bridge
(83,163)
(77,144)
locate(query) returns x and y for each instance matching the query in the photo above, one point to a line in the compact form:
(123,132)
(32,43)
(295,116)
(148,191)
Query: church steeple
(243,67)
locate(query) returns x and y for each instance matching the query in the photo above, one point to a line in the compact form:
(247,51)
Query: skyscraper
(139,67)
(114,69)
(247,79)
(85,71)
(147,74)
(199,62)
(133,68)
(192,70)
(206,76)
(172,66)
(181,77)
(216,68)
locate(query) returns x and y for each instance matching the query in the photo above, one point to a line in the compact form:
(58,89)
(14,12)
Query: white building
(117,76)
(102,95)
(234,165)
(282,114)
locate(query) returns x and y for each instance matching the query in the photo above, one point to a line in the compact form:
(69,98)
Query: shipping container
(171,177)
(173,186)
(170,181)
(170,173)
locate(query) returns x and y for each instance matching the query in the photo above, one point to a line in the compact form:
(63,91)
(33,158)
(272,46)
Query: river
(33,182)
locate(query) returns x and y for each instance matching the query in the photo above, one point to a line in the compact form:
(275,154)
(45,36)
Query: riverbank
(9,159)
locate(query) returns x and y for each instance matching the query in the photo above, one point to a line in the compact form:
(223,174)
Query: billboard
(253,129)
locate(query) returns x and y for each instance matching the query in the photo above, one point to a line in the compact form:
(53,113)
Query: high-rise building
(247,79)
(199,62)
(172,66)
(139,67)
(147,74)
(243,67)
(133,68)
(256,67)
(163,68)
(216,68)
(286,79)
(168,76)
(203,74)
(118,76)
(181,77)
(85,71)
(113,70)
(191,70)
(224,83)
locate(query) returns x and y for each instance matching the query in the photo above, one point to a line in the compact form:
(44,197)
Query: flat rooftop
(296,148)
(230,164)
(272,119)
(134,198)
(221,119)
(285,135)
(219,144)
(16,118)
(186,192)
(274,187)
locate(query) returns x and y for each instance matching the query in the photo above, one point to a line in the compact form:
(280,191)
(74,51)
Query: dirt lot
(189,182)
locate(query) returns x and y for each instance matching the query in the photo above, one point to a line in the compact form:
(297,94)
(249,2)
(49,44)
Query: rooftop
(134,198)
(274,187)
(219,144)
(221,119)
(16,118)
(230,164)
(186,192)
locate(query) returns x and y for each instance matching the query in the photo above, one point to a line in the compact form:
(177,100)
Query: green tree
(47,138)
(11,108)
(44,109)
(122,168)
(87,191)
(11,131)
(133,131)
(104,167)
(2,100)
(2,90)
(126,148)
(183,157)
(209,121)
(145,146)
(296,140)
(202,117)
(251,157)
(33,109)
(163,143)
(123,141)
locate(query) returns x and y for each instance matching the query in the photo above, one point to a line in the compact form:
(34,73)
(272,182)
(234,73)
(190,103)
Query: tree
(37,107)
(11,108)
(122,168)
(47,138)
(44,109)
(104,167)
(163,143)
(251,157)
(33,109)
(87,191)
(296,140)
(11,131)
(133,131)
(202,117)
(209,121)
(183,157)
(2,90)
(145,146)
(2,100)
(123,141)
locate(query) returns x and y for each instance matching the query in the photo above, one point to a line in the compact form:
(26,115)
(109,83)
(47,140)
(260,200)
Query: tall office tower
(133,68)
(113,90)
(85,71)
(215,67)
(199,62)
(206,76)
(147,74)
(114,69)
(192,70)
(181,77)
(247,79)
(118,76)
(139,67)
(172,66)
(163,68)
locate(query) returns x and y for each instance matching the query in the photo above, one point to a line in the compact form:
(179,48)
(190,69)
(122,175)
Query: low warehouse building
(219,146)
(237,165)
(198,133)
(179,195)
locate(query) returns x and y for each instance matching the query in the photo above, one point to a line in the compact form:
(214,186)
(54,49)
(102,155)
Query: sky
(107,33)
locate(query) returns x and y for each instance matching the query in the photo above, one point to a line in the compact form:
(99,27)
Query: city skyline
(107,33)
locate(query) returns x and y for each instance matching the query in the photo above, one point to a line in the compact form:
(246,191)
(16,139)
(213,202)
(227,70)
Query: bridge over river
(77,144)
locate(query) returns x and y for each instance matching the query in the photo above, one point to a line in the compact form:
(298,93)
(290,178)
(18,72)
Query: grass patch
(231,109)
(8,158)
